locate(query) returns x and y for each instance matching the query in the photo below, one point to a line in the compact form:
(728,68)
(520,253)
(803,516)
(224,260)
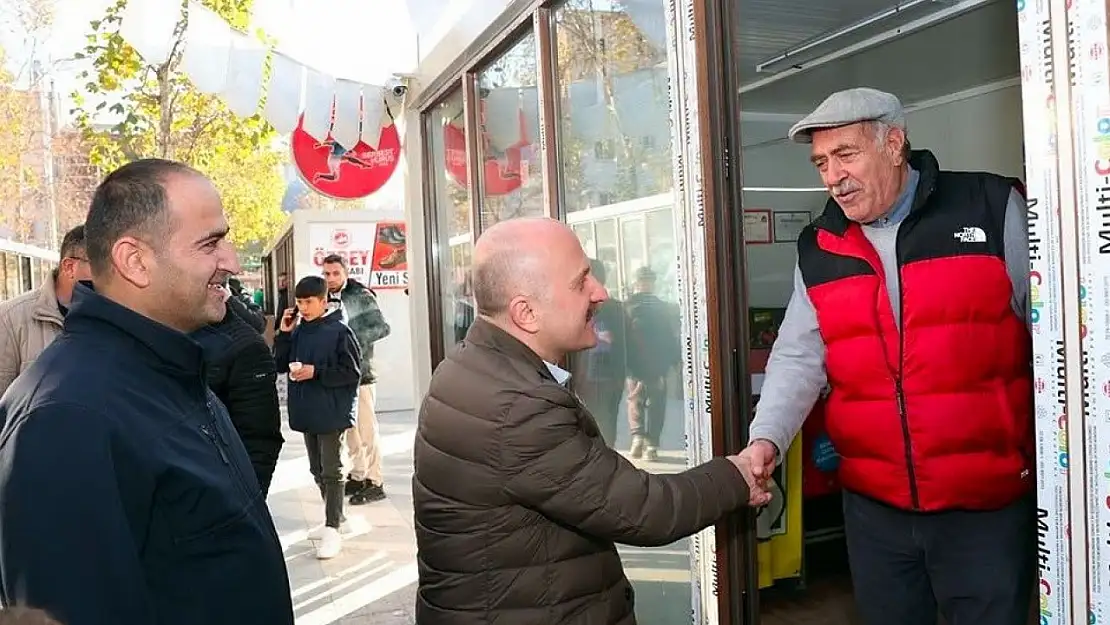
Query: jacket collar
(835,221)
(483,333)
(94,313)
(46,305)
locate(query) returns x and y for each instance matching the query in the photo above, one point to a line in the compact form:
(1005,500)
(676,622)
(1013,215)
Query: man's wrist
(770,442)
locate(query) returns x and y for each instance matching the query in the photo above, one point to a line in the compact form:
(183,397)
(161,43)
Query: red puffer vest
(935,414)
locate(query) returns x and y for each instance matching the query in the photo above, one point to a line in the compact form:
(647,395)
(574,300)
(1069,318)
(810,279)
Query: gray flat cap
(849,107)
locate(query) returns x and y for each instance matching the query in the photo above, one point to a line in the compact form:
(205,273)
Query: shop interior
(955,66)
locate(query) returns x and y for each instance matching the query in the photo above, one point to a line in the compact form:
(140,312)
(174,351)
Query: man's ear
(523,314)
(134,261)
(896,143)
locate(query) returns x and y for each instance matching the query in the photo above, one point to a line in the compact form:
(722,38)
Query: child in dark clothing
(321,355)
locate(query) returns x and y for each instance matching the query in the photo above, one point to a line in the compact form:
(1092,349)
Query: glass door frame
(727,282)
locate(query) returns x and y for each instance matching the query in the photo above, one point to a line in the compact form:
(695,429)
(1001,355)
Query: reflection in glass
(11,262)
(615,137)
(511,184)
(446,131)
(633,256)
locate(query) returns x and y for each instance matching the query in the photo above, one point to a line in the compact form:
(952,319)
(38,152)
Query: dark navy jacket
(126,497)
(327,402)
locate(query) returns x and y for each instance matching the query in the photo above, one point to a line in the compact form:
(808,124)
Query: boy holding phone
(321,355)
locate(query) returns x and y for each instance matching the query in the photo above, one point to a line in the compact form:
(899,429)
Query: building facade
(656,129)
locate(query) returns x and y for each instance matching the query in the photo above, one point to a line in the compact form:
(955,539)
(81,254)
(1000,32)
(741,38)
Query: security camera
(399,91)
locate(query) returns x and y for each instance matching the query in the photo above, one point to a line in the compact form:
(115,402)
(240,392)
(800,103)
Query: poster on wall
(376,252)
(1091,106)
(1041,181)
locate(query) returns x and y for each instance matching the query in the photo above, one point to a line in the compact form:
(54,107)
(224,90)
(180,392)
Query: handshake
(756,463)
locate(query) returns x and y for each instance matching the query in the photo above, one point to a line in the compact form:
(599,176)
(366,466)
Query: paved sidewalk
(373,581)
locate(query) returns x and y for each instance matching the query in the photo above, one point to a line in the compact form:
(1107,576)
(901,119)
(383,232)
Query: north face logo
(970,234)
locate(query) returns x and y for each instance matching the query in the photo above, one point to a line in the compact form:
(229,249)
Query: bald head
(510,258)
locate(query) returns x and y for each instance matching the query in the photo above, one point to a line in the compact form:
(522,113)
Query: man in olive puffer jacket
(518,500)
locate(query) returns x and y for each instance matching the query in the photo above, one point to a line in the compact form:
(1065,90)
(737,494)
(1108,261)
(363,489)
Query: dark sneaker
(354,486)
(371,493)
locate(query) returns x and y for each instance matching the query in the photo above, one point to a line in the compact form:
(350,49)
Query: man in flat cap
(911,305)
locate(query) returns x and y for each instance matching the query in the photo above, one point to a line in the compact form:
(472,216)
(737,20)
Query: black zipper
(207,431)
(899,391)
(211,430)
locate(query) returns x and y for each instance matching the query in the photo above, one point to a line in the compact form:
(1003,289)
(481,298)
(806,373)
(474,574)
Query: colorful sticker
(1091,106)
(690,250)
(1042,181)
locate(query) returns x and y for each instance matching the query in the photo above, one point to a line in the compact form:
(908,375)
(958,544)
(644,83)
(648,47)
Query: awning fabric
(222,61)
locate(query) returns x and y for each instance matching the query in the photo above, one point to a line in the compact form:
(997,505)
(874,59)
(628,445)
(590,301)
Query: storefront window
(446,132)
(968,114)
(615,136)
(509,142)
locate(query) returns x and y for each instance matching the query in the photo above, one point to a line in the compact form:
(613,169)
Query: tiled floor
(825,602)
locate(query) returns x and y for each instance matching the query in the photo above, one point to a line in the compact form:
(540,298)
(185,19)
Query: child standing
(321,356)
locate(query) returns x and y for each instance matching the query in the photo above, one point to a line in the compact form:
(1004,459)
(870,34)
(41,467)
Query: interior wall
(973,132)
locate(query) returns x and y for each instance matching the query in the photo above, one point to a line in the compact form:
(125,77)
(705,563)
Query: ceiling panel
(976,48)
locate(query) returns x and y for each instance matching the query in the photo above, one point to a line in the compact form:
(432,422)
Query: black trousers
(978,568)
(602,398)
(326,463)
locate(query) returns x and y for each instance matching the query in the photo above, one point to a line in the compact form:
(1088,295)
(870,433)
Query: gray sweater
(795,374)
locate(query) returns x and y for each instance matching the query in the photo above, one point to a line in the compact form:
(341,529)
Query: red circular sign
(499,176)
(334,171)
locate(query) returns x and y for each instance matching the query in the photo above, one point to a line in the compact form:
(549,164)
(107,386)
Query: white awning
(346,59)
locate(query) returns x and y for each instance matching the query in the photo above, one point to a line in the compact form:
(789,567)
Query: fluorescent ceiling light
(846,49)
(807,51)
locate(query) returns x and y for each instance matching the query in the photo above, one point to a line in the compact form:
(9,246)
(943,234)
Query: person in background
(911,299)
(360,308)
(518,500)
(463,307)
(601,371)
(246,309)
(242,374)
(165,525)
(282,303)
(259,298)
(321,355)
(32,321)
(656,351)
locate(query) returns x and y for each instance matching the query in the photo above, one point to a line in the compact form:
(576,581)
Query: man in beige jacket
(30,322)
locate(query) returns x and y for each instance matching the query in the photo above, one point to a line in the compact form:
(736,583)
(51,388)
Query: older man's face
(861,170)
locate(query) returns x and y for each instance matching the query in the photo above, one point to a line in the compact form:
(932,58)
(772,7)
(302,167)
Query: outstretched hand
(762,455)
(758,495)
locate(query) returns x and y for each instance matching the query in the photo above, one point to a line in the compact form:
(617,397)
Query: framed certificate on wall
(789,224)
(758,229)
